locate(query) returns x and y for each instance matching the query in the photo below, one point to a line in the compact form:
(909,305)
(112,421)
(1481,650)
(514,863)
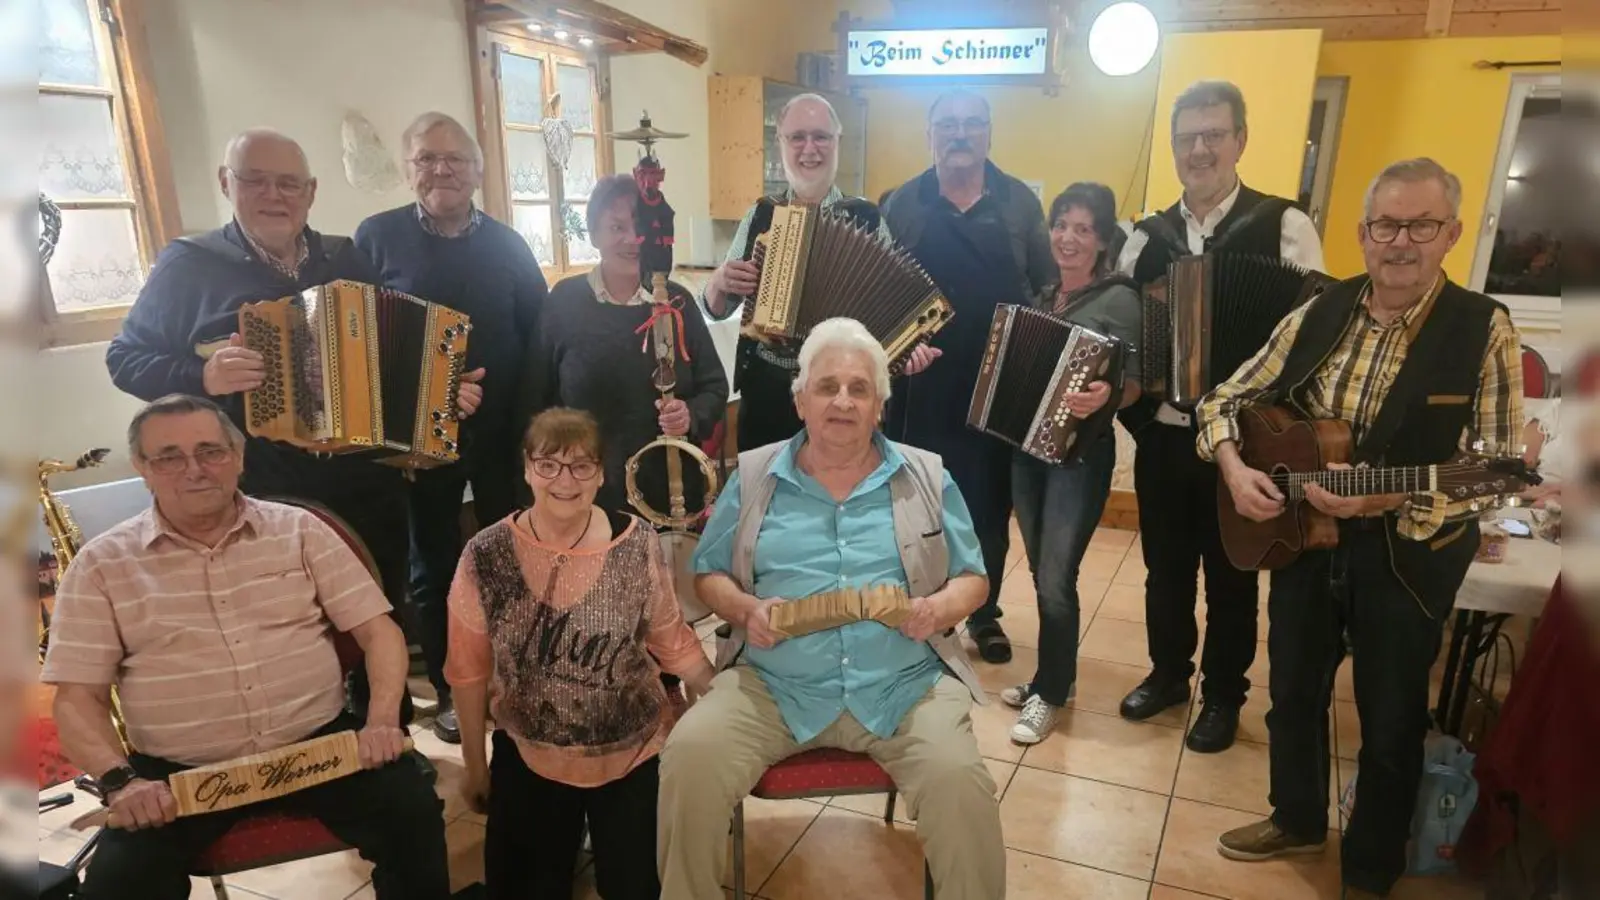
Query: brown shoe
(1263,840)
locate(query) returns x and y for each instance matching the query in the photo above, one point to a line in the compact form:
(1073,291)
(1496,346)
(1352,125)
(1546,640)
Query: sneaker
(1038,719)
(1015,697)
(1263,840)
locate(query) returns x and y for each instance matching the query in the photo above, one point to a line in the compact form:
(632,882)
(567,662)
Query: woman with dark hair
(594,355)
(1058,507)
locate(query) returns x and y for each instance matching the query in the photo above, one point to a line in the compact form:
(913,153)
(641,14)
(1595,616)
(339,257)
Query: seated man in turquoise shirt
(837,507)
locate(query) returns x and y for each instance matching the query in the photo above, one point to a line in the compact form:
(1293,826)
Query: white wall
(298,65)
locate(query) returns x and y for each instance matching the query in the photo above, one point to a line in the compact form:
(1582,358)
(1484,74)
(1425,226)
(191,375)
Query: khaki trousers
(720,749)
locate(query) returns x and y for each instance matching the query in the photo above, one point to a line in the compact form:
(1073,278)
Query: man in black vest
(1417,367)
(1175,489)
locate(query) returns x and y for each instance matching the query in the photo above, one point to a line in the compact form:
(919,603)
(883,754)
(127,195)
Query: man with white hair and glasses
(808,136)
(837,507)
(443,249)
(1418,367)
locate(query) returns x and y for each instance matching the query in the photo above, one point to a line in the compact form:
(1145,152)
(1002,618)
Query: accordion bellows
(889,606)
(816,266)
(1210,314)
(356,368)
(1031,361)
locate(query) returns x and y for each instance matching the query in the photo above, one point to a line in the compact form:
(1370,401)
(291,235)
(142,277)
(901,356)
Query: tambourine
(679,518)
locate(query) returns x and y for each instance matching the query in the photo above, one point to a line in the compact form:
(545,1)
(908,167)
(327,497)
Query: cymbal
(647,133)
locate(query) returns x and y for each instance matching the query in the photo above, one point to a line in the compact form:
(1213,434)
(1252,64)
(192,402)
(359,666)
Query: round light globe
(1123,38)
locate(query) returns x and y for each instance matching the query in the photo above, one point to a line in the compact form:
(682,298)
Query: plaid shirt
(302,252)
(474,219)
(1354,381)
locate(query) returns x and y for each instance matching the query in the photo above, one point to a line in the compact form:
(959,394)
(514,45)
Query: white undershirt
(1299,242)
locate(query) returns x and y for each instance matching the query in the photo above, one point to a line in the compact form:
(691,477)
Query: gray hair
(1413,171)
(952,96)
(1202,94)
(833,117)
(844,335)
(235,148)
(179,405)
(427,122)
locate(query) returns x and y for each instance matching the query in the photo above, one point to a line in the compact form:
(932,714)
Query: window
(97,166)
(542,200)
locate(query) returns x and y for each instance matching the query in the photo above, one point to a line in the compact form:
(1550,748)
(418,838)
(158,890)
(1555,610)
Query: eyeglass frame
(1184,141)
(258,183)
(564,467)
(1405,225)
(220,454)
(815,136)
(434,159)
(953,127)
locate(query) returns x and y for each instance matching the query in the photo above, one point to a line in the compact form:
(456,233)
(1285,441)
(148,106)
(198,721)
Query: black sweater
(489,274)
(590,359)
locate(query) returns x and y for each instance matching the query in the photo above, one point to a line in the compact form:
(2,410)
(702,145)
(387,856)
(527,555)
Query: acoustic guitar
(1295,452)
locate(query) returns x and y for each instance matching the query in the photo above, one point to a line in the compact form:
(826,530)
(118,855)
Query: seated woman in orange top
(566,609)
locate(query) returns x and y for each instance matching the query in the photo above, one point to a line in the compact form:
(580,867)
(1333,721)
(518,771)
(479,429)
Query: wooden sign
(257,777)
(887,605)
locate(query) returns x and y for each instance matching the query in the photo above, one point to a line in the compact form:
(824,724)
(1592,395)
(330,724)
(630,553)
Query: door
(1322,146)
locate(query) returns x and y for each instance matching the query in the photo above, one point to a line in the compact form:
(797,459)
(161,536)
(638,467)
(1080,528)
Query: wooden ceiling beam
(1438,21)
(1348,28)
(1197,10)
(1504,24)
(628,34)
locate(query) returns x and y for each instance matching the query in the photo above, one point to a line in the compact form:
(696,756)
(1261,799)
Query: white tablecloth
(1519,586)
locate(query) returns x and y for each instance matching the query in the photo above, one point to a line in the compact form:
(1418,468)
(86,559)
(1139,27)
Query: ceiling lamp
(586,41)
(535,27)
(561,34)
(1123,38)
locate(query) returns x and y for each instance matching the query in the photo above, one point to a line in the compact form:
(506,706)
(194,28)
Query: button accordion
(1032,359)
(1210,314)
(354,368)
(817,264)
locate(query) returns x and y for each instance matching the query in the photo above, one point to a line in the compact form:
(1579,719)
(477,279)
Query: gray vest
(916,491)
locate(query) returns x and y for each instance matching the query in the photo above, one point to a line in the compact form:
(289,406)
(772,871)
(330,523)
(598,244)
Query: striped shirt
(474,219)
(216,652)
(302,253)
(1354,381)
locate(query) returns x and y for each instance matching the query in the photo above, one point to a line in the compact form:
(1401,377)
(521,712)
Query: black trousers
(1177,495)
(1394,638)
(390,815)
(766,403)
(489,463)
(535,830)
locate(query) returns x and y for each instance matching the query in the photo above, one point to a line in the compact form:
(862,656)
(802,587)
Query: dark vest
(1245,229)
(1429,405)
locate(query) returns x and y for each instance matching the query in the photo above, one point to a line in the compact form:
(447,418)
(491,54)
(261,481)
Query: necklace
(586,523)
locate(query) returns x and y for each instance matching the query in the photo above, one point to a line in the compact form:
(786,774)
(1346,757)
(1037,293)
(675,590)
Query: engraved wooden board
(257,777)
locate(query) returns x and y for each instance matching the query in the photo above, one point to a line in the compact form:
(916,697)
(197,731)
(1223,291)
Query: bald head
(266,176)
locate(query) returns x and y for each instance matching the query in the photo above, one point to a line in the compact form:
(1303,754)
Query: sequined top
(570,639)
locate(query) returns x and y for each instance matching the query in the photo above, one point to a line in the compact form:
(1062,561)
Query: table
(1492,593)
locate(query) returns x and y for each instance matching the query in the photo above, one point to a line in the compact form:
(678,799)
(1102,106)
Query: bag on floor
(1444,803)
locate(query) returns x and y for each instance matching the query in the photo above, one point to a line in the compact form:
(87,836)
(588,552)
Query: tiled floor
(1103,810)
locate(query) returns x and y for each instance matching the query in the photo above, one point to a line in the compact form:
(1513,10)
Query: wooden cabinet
(746,162)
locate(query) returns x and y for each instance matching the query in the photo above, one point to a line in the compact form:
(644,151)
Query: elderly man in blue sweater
(442,248)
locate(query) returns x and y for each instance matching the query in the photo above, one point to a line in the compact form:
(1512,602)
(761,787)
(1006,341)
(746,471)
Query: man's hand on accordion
(1083,404)
(921,358)
(673,417)
(232,369)
(470,395)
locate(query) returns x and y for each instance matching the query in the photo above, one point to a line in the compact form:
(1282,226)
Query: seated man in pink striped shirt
(213,615)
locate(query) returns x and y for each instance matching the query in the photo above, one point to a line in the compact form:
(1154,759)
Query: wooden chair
(1536,380)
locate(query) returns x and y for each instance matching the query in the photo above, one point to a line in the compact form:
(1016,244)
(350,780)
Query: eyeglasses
(797,139)
(952,126)
(1212,138)
(1421,230)
(550,469)
(455,162)
(258,182)
(211,457)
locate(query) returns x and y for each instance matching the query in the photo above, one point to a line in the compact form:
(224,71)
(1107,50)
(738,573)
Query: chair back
(350,654)
(1536,381)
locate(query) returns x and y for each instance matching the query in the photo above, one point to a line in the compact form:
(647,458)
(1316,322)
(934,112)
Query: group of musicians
(211,612)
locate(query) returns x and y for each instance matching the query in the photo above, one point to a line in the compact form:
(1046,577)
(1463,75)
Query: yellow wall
(1276,70)
(1419,98)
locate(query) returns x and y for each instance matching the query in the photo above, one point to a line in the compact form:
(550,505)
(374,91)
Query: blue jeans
(1058,508)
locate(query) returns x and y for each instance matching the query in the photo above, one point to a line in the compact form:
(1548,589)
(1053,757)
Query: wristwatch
(115,780)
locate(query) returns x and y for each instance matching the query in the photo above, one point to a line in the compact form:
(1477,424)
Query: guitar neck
(1362,482)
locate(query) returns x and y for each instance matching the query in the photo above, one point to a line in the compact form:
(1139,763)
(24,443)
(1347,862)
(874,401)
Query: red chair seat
(825,771)
(267,840)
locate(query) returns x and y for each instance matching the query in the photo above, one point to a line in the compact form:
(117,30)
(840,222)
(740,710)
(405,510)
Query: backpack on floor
(1444,803)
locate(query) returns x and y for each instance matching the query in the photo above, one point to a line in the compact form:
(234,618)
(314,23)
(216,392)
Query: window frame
(493,129)
(124,58)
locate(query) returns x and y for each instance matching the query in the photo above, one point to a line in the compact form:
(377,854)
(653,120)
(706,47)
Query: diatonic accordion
(354,368)
(1211,313)
(817,265)
(1031,361)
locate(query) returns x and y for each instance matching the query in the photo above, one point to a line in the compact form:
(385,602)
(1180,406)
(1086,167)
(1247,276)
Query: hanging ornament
(367,165)
(557,134)
(49,228)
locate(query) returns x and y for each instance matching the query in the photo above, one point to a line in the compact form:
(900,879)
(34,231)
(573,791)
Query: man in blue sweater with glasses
(444,249)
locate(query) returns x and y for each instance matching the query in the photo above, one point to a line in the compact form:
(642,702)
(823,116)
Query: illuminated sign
(948,51)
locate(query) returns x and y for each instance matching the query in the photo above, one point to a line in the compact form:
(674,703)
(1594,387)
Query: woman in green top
(1058,507)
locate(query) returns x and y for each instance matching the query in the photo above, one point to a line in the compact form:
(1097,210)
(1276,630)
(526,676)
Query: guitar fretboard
(1361,482)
